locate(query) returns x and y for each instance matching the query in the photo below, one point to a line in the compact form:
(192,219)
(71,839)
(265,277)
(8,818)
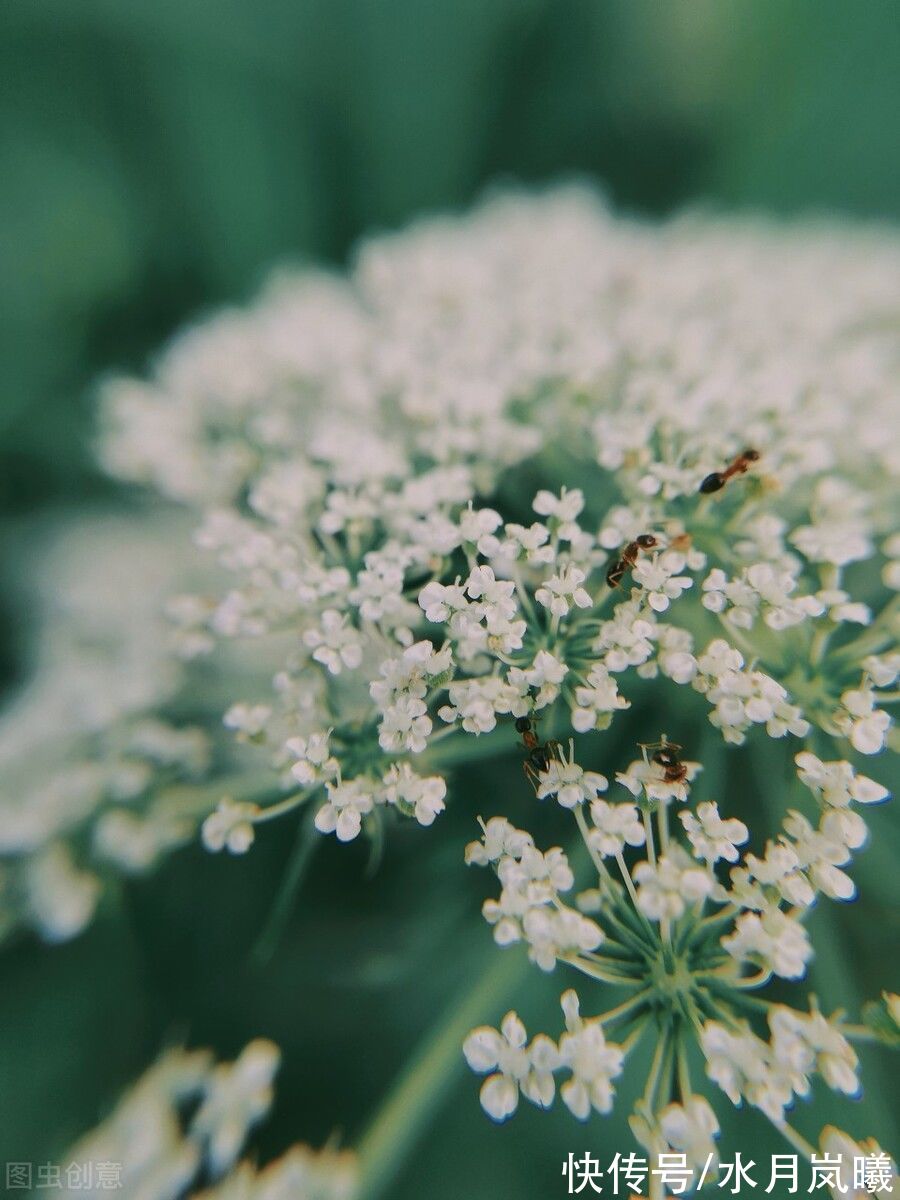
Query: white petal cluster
(860,720)
(615,827)
(529,908)
(597,699)
(593,1062)
(742,697)
(774,940)
(661,578)
(513,1065)
(518,1066)
(691,1129)
(343,442)
(812,1044)
(569,782)
(666,888)
(91,772)
(837,784)
(711,836)
(760,588)
(162,1152)
(230,827)
(769,1074)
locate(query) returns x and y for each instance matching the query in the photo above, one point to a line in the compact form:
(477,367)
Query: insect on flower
(539,753)
(628,558)
(666,755)
(739,465)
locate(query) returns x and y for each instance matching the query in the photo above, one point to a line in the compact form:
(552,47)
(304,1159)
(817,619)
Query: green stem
(284,806)
(655,1071)
(199,799)
(800,1144)
(615,1014)
(860,1033)
(414,1099)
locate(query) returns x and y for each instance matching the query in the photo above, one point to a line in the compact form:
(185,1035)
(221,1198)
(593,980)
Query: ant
(665,754)
(540,753)
(629,557)
(738,466)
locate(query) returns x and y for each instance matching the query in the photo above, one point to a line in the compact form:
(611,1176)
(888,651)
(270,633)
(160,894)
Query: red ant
(665,754)
(628,558)
(738,466)
(540,754)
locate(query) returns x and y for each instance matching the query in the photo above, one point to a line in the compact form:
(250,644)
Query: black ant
(540,754)
(665,754)
(738,466)
(628,558)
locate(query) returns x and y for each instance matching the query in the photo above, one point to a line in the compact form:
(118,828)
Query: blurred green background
(155,158)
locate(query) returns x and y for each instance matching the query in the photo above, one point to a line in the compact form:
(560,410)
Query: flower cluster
(186,1121)
(690,934)
(94,767)
(347,446)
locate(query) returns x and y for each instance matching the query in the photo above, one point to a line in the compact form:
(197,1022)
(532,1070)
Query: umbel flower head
(516,473)
(687,938)
(708,421)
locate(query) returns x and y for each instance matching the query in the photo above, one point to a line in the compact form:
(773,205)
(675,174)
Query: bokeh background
(155,159)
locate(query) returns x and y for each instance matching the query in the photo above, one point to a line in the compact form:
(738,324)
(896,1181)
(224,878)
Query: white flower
(230,827)
(405,726)
(691,1128)
(568,782)
(315,762)
(512,1066)
(839,534)
(810,1042)
(564,509)
(644,776)
(882,669)
(476,702)
(743,698)
(821,852)
(596,699)
(347,803)
(626,640)
(615,827)
(238,1095)
(841,608)
(879,1171)
(858,719)
(659,577)
(537,686)
(532,541)
(415,795)
(665,890)
(478,526)
(439,600)
(562,590)
(554,933)
(334,642)
(496,596)
(500,839)
(741,1065)
(775,940)
(61,898)
(837,783)
(781,869)
(594,1063)
(762,587)
(247,720)
(712,837)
